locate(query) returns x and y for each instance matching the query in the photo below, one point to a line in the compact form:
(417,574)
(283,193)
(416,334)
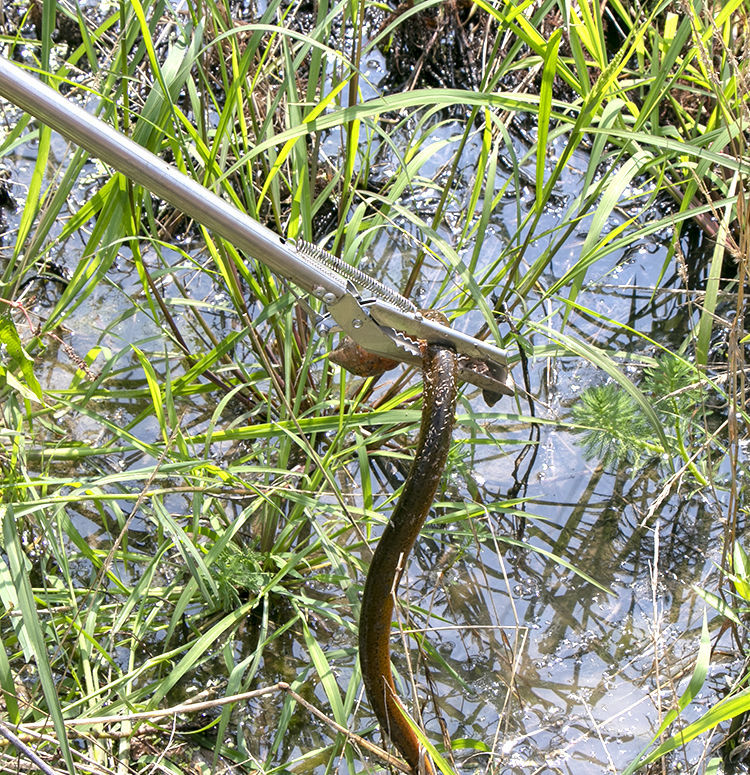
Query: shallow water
(547,671)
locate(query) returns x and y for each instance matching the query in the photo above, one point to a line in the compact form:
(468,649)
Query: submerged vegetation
(190,489)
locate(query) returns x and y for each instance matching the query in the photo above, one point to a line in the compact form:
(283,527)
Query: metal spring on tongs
(327,261)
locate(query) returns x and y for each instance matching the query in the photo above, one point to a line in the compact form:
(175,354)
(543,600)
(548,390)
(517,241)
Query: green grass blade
(711,298)
(727,709)
(19,568)
(545,112)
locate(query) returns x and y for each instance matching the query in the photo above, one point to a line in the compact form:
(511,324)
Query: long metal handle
(196,201)
(161,179)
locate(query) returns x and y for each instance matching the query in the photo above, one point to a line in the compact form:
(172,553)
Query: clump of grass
(177,483)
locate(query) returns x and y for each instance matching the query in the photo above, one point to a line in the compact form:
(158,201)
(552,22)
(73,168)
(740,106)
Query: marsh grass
(192,497)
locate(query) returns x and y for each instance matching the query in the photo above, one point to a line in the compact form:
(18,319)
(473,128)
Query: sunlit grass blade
(729,708)
(615,187)
(708,312)
(325,674)
(545,106)
(19,568)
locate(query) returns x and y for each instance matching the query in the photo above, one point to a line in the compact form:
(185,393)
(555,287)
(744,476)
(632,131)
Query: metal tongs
(377,318)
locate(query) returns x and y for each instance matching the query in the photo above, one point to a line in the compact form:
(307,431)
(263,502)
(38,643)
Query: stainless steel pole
(161,179)
(193,199)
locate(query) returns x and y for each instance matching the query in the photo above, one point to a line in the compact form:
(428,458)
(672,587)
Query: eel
(392,551)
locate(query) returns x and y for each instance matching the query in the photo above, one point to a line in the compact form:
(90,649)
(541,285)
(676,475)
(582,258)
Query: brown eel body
(392,551)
